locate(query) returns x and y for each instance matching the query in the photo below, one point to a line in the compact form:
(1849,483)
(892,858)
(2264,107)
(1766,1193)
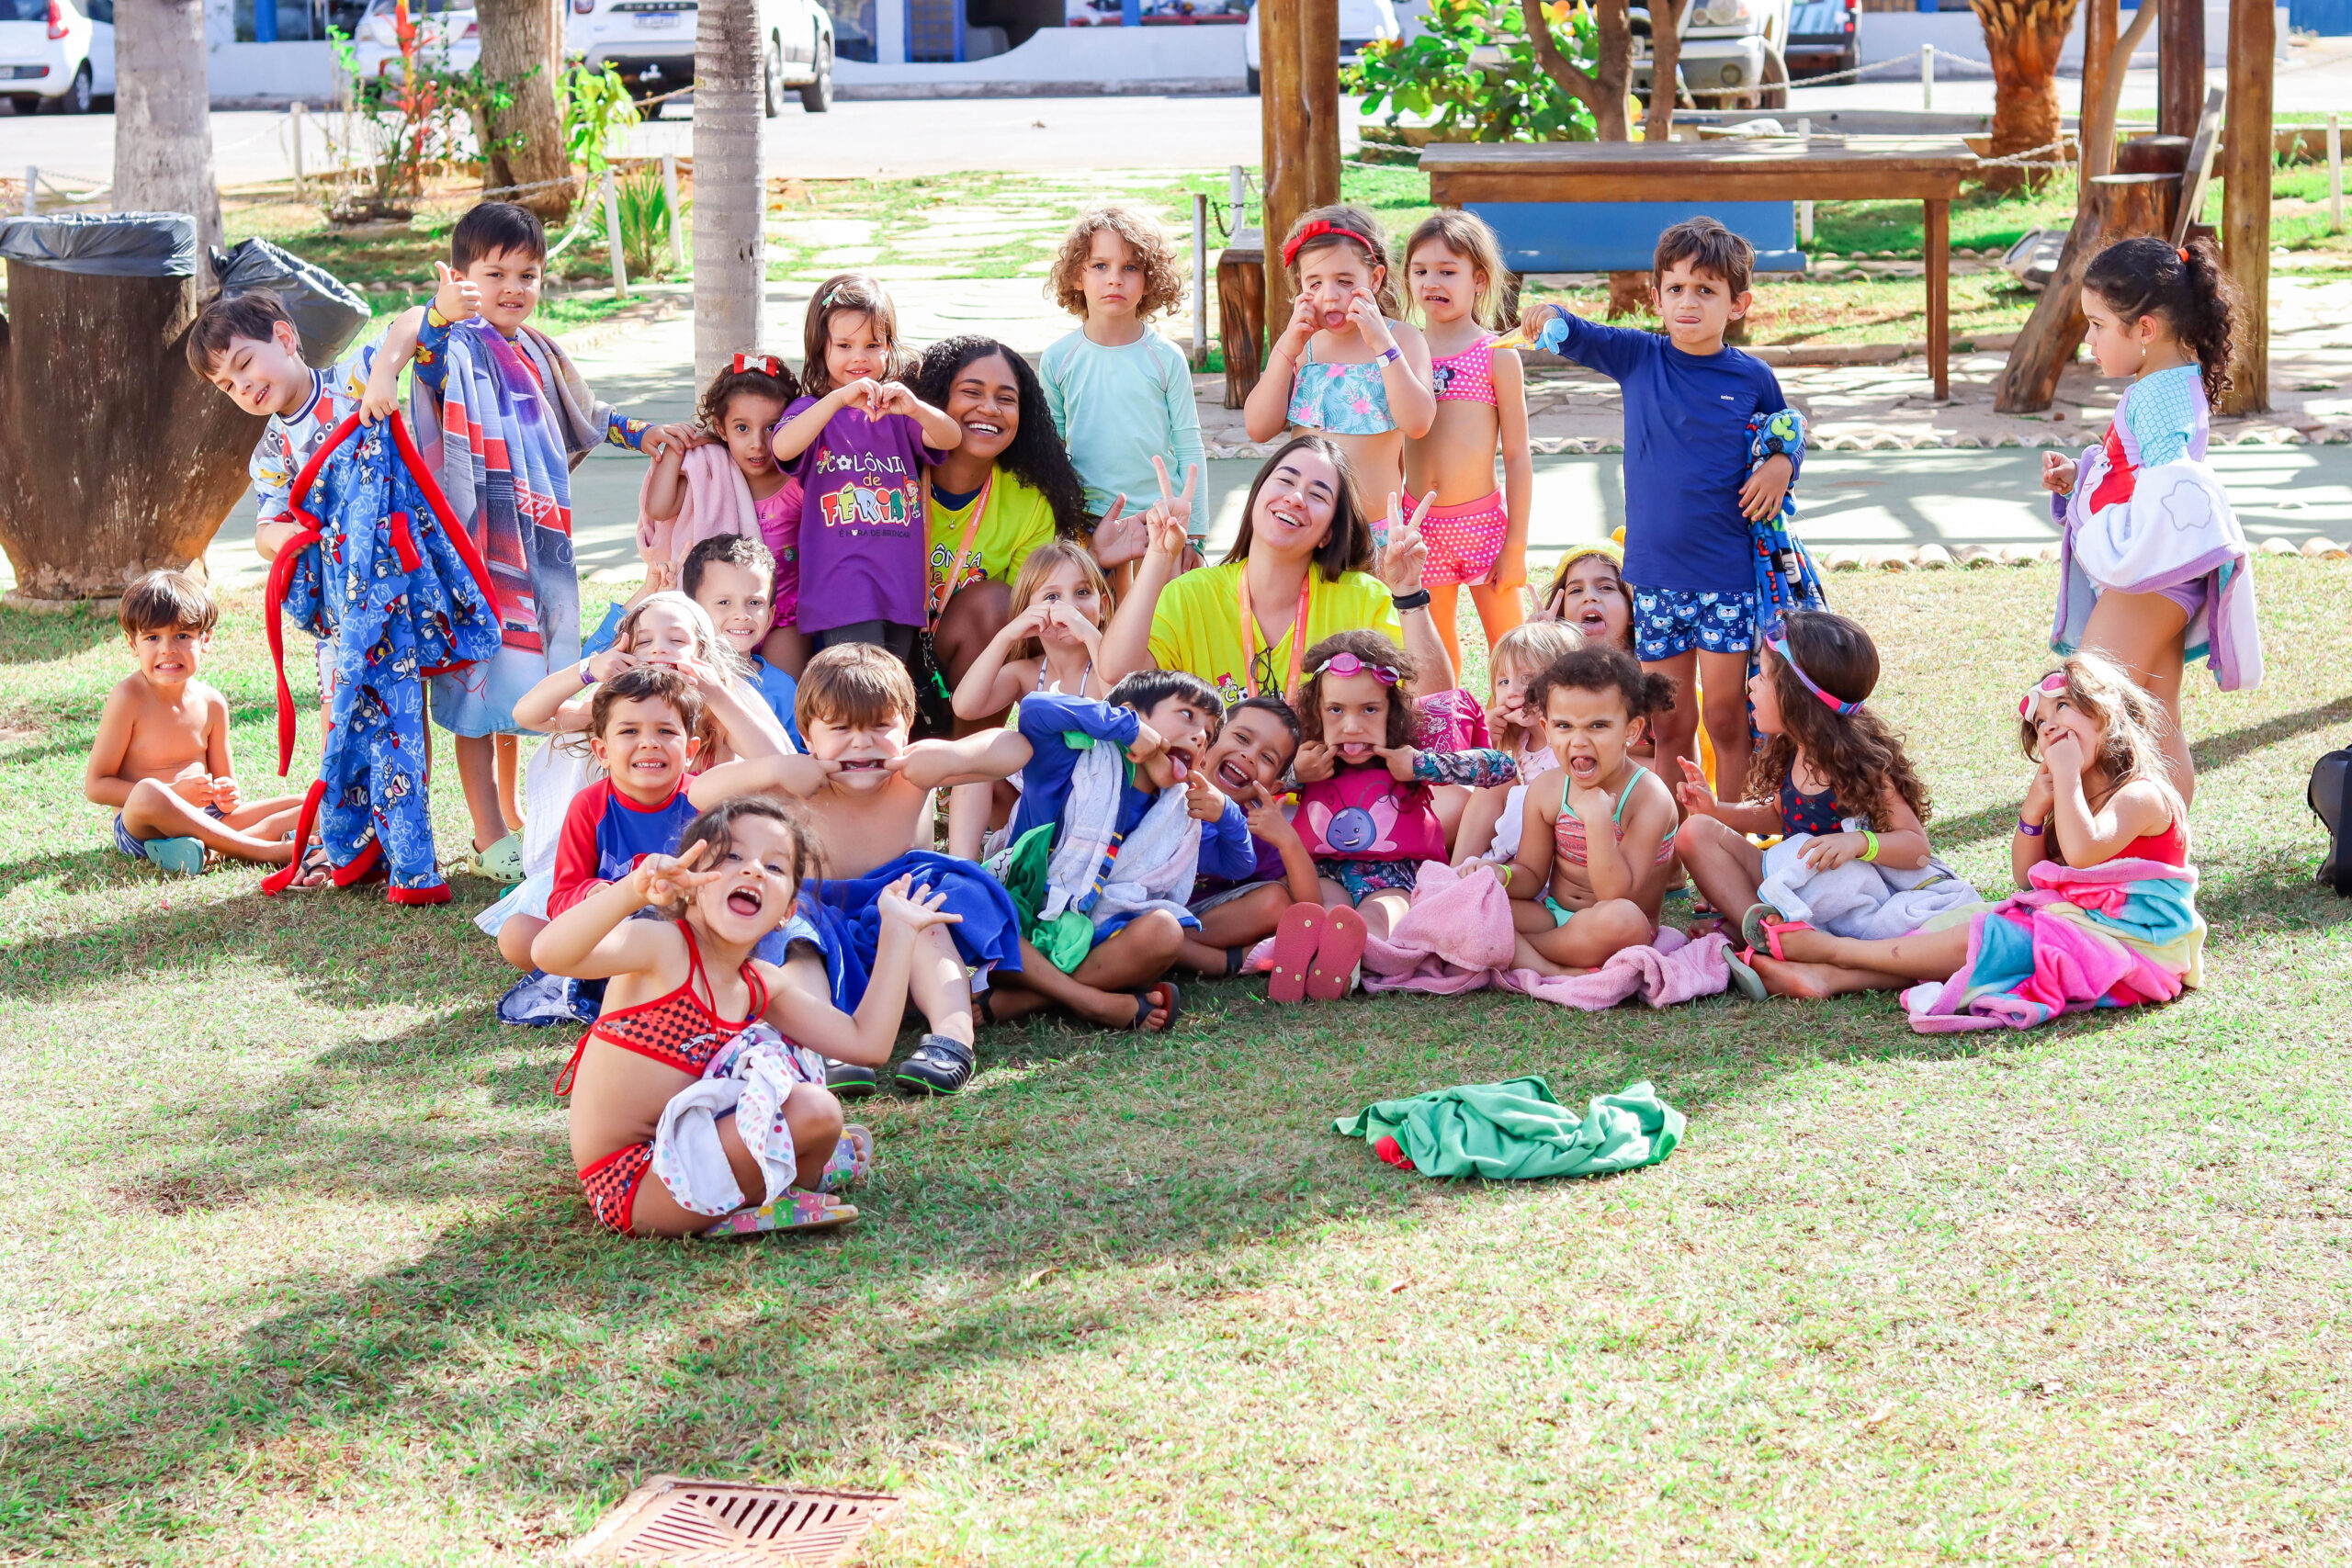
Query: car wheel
(76,98)
(772,78)
(1251,73)
(817,95)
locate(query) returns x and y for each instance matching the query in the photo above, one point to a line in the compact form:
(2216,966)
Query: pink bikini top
(1467,377)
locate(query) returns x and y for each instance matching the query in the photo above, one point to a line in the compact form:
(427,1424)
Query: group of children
(882,581)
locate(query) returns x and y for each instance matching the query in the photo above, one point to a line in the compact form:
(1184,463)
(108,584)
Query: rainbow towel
(2109,936)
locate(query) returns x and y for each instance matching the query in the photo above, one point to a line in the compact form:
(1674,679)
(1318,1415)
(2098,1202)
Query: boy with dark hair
(1689,492)
(503,417)
(161,758)
(1249,763)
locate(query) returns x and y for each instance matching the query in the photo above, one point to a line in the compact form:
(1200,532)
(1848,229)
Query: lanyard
(947,583)
(1250,633)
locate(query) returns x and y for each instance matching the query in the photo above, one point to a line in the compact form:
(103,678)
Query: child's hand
(195,790)
(1696,797)
(1148,743)
(457,298)
(1762,496)
(1202,801)
(2058,473)
(2062,754)
(913,908)
(1363,314)
(1400,759)
(1174,512)
(863,393)
(1313,763)
(1510,569)
(666,879)
(1169,540)
(1267,819)
(225,794)
(1119,538)
(604,666)
(892,396)
(1589,804)
(381,395)
(1404,553)
(2041,796)
(666,443)
(1085,632)
(1830,851)
(1531,320)
(1304,318)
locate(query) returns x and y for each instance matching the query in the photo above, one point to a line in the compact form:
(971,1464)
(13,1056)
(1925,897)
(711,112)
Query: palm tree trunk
(2022,38)
(526,145)
(730,194)
(162,142)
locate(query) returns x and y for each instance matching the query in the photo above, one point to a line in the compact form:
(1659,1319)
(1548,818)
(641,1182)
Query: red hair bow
(1320,229)
(765,364)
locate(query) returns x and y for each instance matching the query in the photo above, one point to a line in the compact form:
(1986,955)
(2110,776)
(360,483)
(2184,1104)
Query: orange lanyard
(947,583)
(1250,634)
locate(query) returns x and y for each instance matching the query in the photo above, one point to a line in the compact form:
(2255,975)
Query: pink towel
(716,501)
(1458,937)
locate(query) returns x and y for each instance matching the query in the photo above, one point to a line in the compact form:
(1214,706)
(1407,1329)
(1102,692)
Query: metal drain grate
(708,1524)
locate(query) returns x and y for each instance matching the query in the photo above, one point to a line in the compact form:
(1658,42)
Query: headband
(2184,253)
(1837,705)
(765,364)
(1319,230)
(2050,685)
(1346,664)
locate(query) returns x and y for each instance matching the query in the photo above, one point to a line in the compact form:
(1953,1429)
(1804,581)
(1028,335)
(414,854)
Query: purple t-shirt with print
(864,535)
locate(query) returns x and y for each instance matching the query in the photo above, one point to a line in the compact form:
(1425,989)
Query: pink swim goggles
(1345,664)
(2050,685)
(1837,705)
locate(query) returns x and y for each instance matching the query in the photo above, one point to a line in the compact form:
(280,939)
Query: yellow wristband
(1870,841)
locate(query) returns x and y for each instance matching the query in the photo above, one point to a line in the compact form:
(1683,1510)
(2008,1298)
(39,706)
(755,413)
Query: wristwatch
(1419,598)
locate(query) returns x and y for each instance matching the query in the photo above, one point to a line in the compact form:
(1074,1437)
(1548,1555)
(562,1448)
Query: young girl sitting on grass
(1597,842)
(683,993)
(1491,822)
(1830,768)
(1364,808)
(2106,913)
(1476,534)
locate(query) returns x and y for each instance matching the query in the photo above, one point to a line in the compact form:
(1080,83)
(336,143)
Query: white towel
(1860,899)
(1156,864)
(753,1075)
(2176,529)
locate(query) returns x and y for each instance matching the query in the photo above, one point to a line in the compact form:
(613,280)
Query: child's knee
(813,1115)
(515,938)
(1622,923)
(1701,835)
(1158,935)
(1727,712)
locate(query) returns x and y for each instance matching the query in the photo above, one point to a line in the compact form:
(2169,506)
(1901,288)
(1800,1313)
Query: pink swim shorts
(1465,541)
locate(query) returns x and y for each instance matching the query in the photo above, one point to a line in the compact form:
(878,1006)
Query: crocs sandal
(1173,1005)
(940,1065)
(501,862)
(177,857)
(798,1210)
(1297,936)
(1339,957)
(1744,977)
(852,1157)
(849,1081)
(1762,927)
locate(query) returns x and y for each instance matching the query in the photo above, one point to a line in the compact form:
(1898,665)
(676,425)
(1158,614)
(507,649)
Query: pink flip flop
(1297,938)
(1336,957)
(798,1210)
(1762,927)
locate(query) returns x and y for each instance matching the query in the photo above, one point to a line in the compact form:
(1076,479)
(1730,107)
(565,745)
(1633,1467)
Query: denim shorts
(1667,621)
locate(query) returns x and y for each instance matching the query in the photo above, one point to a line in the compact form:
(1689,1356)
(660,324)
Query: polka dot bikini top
(1467,377)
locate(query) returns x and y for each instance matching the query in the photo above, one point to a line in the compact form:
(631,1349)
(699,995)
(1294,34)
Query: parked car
(1361,21)
(446,32)
(651,44)
(1824,35)
(1733,54)
(56,54)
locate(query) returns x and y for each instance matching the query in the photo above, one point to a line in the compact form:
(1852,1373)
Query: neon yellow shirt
(1019,519)
(1197,625)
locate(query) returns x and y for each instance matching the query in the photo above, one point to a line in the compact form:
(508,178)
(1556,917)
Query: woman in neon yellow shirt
(1297,573)
(1006,490)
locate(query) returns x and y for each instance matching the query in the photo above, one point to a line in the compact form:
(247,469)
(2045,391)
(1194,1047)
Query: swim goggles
(1346,664)
(2050,685)
(1837,705)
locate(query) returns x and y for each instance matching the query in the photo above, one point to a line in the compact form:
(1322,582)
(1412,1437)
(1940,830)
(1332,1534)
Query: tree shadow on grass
(27,638)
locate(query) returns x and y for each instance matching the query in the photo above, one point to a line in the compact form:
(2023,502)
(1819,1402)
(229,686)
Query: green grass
(300,1271)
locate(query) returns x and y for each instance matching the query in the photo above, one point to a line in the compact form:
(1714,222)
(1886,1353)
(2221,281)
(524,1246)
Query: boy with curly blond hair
(1121,394)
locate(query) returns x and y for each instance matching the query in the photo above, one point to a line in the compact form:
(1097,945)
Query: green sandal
(501,862)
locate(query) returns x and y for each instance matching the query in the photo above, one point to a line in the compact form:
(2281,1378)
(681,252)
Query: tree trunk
(2245,200)
(1666,57)
(134,471)
(1298,54)
(2022,38)
(526,145)
(730,193)
(163,128)
(1603,93)
(2098,112)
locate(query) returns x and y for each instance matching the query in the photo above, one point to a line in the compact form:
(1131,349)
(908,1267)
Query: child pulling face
(1248,763)
(1054,641)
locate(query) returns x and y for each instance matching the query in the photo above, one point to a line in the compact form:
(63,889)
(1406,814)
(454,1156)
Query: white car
(651,44)
(448,35)
(1733,54)
(1361,21)
(56,53)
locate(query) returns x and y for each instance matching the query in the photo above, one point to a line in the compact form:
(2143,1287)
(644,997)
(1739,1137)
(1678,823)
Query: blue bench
(1622,236)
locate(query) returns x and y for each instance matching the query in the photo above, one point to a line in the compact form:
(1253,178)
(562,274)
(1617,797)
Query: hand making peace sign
(1405,552)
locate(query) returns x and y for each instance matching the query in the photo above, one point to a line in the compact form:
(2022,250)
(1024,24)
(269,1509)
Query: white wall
(1890,35)
(1066,60)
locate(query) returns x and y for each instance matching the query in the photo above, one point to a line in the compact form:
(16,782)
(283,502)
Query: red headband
(765,364)
(2184,253)
(1319,230)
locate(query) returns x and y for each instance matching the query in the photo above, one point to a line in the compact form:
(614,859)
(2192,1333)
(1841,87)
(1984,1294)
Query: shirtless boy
(162,756)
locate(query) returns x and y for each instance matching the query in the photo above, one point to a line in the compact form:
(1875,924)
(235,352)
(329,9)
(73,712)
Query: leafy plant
(409,123)
(646,221)
(595,108)
(1473,70)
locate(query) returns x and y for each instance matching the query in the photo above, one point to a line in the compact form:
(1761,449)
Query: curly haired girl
(1830,769)
(1121,394)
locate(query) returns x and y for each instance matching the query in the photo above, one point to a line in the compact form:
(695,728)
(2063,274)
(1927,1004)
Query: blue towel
(847,916)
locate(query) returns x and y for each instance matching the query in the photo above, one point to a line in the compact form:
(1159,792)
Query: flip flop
(177,857)
(798,1210)
(1338,956)
(1744,977)
(1173,1005)
(1296,938)
(1762,927)
(853,1158)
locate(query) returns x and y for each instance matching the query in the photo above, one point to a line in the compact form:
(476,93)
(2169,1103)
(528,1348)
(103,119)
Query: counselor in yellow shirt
(1196,626)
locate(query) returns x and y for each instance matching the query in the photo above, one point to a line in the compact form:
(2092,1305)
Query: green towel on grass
(1516,1130)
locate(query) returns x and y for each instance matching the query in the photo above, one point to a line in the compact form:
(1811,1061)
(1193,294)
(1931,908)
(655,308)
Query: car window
(23,10)
(99,10)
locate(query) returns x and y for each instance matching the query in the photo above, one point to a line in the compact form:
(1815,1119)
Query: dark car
(1823,36)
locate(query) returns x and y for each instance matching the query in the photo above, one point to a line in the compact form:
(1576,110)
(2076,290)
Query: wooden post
(1937,245)
(2100,22)
(1298,53)
(300,113)
(2336,173)
(2119,205)
(2246,197)
(2180,65)
(1200,281)
(613,238)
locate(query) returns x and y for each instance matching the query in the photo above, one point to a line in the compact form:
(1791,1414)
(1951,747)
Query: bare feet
(1784,978)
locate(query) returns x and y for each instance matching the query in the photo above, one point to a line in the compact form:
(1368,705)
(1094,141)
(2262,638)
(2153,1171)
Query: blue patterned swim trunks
(1667,621)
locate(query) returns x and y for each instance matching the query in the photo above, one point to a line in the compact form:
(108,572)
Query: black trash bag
(327,315)
(105,244)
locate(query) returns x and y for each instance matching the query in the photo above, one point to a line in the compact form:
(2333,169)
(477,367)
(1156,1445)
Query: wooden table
(1926,169)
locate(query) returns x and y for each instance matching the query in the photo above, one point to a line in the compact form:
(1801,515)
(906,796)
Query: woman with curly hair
(1121,393)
